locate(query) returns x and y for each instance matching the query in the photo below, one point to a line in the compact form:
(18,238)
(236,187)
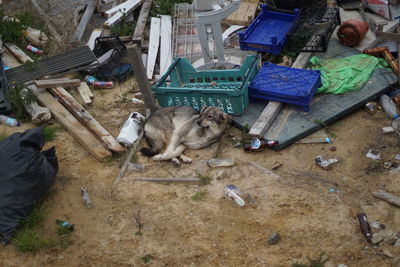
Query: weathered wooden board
(154,43)
(166,43)
(85,93)
(141,22)
(63,82)
(245,13)
(17,53)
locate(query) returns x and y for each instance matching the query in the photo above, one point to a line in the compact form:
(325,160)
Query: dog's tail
(155,147)
(149,152)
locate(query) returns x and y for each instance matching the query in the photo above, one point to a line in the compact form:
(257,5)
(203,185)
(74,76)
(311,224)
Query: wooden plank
(81,114)
(80,30)
(140,74)
(118,15)
(85,93)
(166,43)
(49,25)
(153,46)
(118,8)
(141,22)
(244,14)
(72,125)
(62,82)
(17,53)
(95,33)
(395,200)
(268,115)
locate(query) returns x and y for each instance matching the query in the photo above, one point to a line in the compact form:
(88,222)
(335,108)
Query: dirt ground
(178,231)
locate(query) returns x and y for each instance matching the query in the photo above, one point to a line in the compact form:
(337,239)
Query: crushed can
(34,50)
(103,85)
(131,129)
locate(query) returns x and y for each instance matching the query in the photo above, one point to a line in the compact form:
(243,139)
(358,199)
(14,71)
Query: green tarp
(346,74)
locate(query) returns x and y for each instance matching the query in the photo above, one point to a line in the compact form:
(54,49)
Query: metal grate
(73,60)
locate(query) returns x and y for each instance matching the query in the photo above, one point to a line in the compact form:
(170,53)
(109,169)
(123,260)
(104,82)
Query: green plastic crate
(226,89)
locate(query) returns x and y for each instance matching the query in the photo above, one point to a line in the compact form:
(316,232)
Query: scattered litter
(373,155)
(378,225)
(66,225)
(103,85)
(389,106)
(259,144)
(34,50)
(387,130)
(397,157)
(131,129)
(274,238)
(364,226)
(376,238)
(389,165)
(325,140)
(352,32)
(135,167)
(276,165)
(220,162)
(86,198)
(371,107)
(9,121)
(137,101)
(90,79)
(333,190)
(325,163)
(233,192)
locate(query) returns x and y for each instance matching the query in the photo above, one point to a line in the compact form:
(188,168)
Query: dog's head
(213,117)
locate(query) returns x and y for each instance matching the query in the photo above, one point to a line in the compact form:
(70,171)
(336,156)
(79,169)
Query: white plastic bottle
(9,121)
(389,106)
(234,193)
(131,129)
(86,198)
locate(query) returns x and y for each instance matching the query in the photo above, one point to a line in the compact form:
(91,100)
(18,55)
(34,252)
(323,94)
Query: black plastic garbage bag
(26,173)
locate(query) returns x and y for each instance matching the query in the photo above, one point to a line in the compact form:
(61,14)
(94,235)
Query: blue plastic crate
(268,32)
(285,84)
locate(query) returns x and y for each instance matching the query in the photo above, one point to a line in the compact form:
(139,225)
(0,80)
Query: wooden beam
(44,16)
(62,82)
(387,197)
(17,53)
(166,43)
(72,125)
(154,43)
(141,22)
(129,6)
(85,93)
(81,114)
(80,30)
(272,109)
(96,33)
(140,74)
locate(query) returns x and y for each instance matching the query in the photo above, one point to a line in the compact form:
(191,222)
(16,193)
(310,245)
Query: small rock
(220,162)
(388,236)
(397,244)
(274,238)
(378,225)
(342,265)
(376,238)
(387,253)
(277,164)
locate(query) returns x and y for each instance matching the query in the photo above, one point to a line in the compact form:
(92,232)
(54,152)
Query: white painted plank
(154,43)
(121,7)
(166,43)
(96,33)
(231,30)
(118,15)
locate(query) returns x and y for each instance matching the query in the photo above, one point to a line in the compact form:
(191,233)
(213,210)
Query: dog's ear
(225,117)
(203,109)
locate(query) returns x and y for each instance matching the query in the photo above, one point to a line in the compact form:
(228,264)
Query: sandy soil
(178,231)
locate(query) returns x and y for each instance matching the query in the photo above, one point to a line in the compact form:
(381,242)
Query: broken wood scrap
(81,114)
(17,53)
(141,22)
(153,46)
(268,115)
(49,25)
(167,180)
(71,124)
(85,93)
(386,54)
(392,199)
(62,82)
(80,30)
(119,11)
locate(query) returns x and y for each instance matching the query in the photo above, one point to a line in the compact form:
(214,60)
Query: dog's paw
(158,157)
(176,162)
(185,159)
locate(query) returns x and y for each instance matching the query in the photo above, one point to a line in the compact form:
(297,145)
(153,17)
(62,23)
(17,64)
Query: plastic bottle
(65,224)
(9,121)
(104,85)
(90,79)
(34,50)
(130,130)
(258,144)
(86,198)
(364,226)
(234,193)
(389,106)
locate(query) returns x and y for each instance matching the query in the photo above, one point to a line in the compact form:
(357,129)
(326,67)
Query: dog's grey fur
(174,129)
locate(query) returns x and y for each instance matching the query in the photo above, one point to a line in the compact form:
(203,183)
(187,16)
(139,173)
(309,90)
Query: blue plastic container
(268,32)
(285,84)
